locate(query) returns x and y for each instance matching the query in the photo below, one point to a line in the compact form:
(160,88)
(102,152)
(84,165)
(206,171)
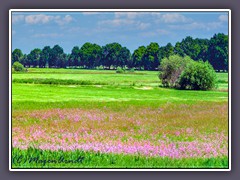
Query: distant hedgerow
(57,81)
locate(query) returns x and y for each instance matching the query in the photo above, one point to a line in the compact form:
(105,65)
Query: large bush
(171,68)
(198,76)
(17,66)
(120,70)
(185,73)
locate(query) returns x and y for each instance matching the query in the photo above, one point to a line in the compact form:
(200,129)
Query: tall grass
(35,158)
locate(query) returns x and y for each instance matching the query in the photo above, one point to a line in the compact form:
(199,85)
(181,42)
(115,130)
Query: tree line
(113,55)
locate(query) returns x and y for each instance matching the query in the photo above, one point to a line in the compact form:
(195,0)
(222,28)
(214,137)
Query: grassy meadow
(75,118)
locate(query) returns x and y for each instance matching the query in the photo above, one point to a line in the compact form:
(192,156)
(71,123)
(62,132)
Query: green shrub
(17,66)
(185,73)
(120,70)
(100,67)
(198,75)
(131,70)
(171,68)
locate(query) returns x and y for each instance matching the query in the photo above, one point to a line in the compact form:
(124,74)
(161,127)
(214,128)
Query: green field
(104,77)
(116,121)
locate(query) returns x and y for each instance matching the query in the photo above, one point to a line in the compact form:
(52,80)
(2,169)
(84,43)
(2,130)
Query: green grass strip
(57,81)
(35,158)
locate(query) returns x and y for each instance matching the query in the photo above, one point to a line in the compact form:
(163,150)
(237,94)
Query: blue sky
(131,29)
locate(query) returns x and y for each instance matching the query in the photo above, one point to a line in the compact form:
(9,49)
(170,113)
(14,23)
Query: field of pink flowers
(172,130)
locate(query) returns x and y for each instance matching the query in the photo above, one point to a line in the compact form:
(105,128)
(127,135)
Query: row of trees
(91,55)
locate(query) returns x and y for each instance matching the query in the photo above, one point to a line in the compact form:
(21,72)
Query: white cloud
(148,34)
(38,19)
(67,19)
(50,35)
(129,15)
(197,25)
(160,17)
(90,13)
(134,15)
(142,26)
(156,14)
(213,25)
(191,26)
(87,31)
(17,18)
(13,32)
(157,32)
(223,18)
(75,29)
(123,19)
(101,29)
(129,23)
(116,22)
(43,19)
(162,32)
(172,18)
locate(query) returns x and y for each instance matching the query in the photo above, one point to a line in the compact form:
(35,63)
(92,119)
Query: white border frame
(118,10)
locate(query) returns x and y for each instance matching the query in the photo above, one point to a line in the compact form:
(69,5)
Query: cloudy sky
(131,29)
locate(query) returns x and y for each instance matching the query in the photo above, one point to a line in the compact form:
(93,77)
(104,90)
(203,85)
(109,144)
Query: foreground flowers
(169,131)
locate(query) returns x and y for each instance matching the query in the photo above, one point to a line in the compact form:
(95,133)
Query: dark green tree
(110,54)
(34,57)
(24,60)
(44,56)
(55,56)
(74,58)
(124,57)
(195,48)
(169,50)
(17,55)
(62,61)
(203,45)
(150,58)
(218,52)
(178,49)
(165,51)
(90,55)
(137,57)
(187,46)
